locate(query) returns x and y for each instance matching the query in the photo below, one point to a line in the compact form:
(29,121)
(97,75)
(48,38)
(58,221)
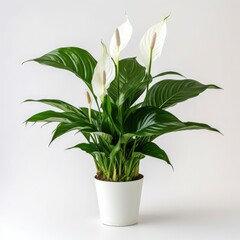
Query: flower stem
(149,72)
(90,113)
(117,76)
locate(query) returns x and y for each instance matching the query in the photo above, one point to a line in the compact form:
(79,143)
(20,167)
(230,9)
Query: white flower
(104,74)
(152,42)
(120,39)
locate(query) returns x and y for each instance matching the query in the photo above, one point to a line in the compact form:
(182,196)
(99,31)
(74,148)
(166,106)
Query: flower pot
(119,201)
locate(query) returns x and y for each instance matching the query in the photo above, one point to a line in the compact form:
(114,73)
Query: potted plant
(122,128)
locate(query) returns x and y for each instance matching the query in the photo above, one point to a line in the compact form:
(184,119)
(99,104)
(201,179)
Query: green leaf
(94,113)
(106,147)
(58,104)
(51,116)
(132,81)
(148,121)
(168,73)
(87,147)
(86,135)
(126,137)
(114,152)
(110,112)
(131,109)
(152,121)
(169,92)
(63,128)
(100,160)
(107,137)
(107,107)
(153,150)
(191,126)
(197,126)
(73,59)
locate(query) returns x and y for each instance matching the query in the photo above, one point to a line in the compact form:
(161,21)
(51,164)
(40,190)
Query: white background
(48,193)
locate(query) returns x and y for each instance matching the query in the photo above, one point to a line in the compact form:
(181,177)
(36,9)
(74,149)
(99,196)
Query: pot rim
(142,177)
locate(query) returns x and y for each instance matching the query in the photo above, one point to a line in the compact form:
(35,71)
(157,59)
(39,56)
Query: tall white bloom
(104,74)
(120,39)
(152,43)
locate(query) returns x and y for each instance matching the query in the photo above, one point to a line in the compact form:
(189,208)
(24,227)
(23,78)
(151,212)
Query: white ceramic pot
(119,201)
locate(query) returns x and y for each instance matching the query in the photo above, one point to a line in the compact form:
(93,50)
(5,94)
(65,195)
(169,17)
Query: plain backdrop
(48,193)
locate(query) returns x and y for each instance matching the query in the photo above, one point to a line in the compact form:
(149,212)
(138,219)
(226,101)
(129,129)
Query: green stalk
(120,167)
(150,63)
(95,98)
(90,113)
(149,70)
(114,178)
(121,161)
(117,76)
(131,160)
(97,167)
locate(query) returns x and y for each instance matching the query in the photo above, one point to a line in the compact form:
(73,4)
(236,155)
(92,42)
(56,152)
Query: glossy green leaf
(114,152)
(167,93)
(131,109)
(132,81)
(87,147)
(95,115)
(63,128)
(107,106)
(126,137)
(58,104)
(197,126)
(152,121)
(153,150)
(73,59)
(106,145)
(107,137)
(191,126)
(168,73)
(148,121)
(51,116)
(110,114)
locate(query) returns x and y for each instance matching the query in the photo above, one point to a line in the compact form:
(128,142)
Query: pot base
(125,225)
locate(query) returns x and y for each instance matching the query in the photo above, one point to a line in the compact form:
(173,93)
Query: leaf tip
(53,138)
(216,130)
(220,133)
(30,60)
(27,100)
(215,87)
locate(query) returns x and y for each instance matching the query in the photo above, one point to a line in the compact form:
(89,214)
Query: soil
(101,178)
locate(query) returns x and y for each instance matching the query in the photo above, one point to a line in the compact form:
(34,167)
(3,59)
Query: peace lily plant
(130,102)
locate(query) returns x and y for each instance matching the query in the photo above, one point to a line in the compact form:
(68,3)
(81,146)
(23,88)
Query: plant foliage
(122,129)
